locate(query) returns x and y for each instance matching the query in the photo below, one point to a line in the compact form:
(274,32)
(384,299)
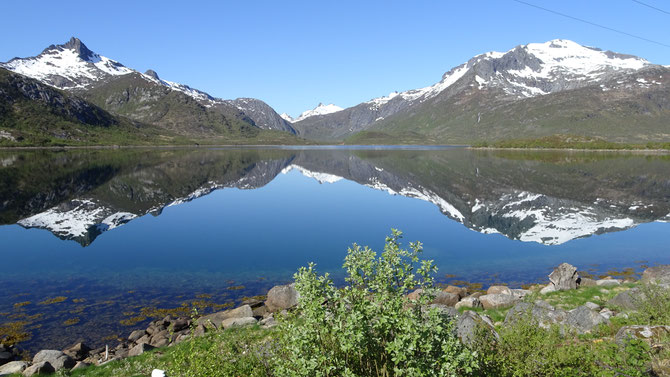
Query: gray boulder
(56,359)
(539,312)
(140,349)
(445,310)
(587,282)
(136,335)
(243,311)
(78,351)
(469,302)
(13,367)
(238,322)
(42,367)
(498,301)
(446,298)
(657,274)
(627,300)
(564,277)
(469,324)
(584,320)
(282,297)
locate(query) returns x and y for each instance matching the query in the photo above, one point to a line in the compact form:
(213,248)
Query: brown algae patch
(21,304)
(14,332)
(54,300)
(71,321)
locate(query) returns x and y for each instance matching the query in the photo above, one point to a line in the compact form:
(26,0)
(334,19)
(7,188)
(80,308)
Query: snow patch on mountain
(321,109)
(286,117)
(64,68)
(320,177)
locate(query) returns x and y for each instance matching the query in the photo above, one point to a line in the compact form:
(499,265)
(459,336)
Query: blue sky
(295,54)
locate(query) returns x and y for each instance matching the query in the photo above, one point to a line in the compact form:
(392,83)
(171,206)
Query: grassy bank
(571,142)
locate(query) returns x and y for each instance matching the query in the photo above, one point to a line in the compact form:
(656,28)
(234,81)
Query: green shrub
(370,327)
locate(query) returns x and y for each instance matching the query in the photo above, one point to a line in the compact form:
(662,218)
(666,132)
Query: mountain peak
(320,109)
(79,47)
(151,73)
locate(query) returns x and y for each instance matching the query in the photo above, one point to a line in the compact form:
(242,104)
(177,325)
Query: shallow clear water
(116,231)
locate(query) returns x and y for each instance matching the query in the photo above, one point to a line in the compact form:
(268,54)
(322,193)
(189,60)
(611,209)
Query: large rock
(627,300)
(584,319)
(136,335)
(42,367)
(469,302)
(78,351)
(657,274)
(539,312)
(238,322)
(415,294)
(13,367)
(243,311)
(446,298)
(57,359)
(564,277)
(469,324)
(587,282)
(498,301)
(460,291)
(498,289)
(448,311)
(282,297)
(650,334)
(608,282)
(140,349)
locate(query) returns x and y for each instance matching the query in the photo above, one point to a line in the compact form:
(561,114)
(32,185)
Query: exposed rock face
(78,351)
(469,302)
(218,318)
(460,291)
(564,277)
(261,114)
(140,349)
(238,322)
(281,297)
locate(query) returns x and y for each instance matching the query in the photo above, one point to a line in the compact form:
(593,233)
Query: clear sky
(295,54)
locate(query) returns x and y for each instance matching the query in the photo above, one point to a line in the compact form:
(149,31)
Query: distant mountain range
(144,97)
(533,90)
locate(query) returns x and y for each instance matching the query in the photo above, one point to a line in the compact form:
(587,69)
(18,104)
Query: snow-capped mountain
(526,71)
(74,67)
(320,109)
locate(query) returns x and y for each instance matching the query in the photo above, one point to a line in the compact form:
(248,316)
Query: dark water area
(96,243)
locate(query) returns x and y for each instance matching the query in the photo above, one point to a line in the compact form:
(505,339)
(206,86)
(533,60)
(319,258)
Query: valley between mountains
(70,95)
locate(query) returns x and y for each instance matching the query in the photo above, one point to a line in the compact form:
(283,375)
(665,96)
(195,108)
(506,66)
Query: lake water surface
(94,243)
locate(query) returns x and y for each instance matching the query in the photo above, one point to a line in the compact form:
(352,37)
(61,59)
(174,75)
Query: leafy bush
(370,327)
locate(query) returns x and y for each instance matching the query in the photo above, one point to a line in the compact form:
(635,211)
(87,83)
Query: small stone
(140,349)
(268,322)
(650,334)
(606,313)
(42,367)
(180,324)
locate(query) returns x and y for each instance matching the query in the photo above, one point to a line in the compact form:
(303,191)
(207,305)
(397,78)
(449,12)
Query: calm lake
(94,243)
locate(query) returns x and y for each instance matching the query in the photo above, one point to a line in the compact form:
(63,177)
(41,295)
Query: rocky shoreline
(457,302)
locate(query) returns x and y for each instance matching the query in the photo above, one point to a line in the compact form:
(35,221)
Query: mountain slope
(145,97)
(35,113)
(479,88)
